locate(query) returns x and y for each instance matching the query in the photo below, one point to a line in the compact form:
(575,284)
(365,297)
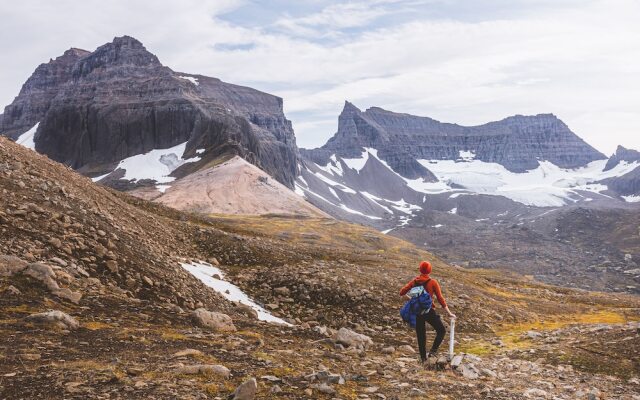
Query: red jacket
(430,285)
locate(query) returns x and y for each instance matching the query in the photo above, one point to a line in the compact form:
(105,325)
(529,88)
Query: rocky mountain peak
(74,53)
(122,51)
(349,109)
(622,154)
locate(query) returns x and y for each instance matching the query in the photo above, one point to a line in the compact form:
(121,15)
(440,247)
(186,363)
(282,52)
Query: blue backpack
(419,303)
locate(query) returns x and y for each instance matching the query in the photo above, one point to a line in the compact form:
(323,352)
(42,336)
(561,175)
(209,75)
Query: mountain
(516,143)
(96,111)
(496,195)
(106,295)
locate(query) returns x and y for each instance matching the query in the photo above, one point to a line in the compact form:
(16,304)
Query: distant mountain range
(523,193)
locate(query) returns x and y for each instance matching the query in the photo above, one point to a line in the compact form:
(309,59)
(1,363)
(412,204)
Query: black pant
(421,332)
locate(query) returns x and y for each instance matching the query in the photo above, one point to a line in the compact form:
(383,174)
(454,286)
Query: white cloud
(577,60)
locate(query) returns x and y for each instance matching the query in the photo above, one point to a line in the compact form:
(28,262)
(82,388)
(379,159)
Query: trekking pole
(451,336)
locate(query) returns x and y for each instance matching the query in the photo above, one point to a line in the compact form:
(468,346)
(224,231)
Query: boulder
(204,369)
(349,338)
(44,274)
(54,318)
(535,393)
(10,265)
(246,391)
(215,321)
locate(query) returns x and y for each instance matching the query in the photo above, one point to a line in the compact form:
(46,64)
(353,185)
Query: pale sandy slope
(233,187)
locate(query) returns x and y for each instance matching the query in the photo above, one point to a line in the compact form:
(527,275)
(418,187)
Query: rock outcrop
(97,108)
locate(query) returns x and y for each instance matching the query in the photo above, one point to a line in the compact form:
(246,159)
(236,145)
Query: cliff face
(622,154)
(516,142)
(97,108)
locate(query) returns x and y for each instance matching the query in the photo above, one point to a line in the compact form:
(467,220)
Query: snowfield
(545,186)
(154,165)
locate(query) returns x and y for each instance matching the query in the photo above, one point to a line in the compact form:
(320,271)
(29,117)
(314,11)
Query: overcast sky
(467,62)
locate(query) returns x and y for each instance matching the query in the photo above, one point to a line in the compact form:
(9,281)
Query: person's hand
(452,315)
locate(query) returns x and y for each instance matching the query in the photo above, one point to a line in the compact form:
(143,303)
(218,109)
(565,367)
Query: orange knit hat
(425,268)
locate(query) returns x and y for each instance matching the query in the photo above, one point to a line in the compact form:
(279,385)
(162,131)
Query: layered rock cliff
(94,109)
(517,142)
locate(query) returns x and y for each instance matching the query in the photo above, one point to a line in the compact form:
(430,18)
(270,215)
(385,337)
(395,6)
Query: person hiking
(432,287)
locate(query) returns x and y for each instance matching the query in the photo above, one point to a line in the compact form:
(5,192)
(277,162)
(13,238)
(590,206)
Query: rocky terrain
(91,110)
(95,304)
(523,194)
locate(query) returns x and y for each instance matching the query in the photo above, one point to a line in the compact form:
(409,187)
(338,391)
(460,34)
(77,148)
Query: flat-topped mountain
(517,142)
(91,110)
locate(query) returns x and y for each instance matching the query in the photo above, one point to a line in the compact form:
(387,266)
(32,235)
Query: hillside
(112,262)
(232,186)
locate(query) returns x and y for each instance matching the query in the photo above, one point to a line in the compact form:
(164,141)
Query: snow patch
(27,138)
(190,79)
(437,226)
(376,200)
(334,183)
(333,167)
(298,190)
(632,199)
(359,163)
(101,177)
(156,164)
(467,155)
(454,210)
(205,273)
(352,211)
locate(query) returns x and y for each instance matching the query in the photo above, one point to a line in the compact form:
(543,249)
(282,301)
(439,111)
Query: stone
(187,353)
(204,369)
(43,273)
(324,388)
(276,389)
(54,318)
(282,291)
(469,371)
(247,390)
(535,393)
(350,338)
(388,350)
(10,265)
(215,321)
(112,266)
(406,349)
(59,261)
(68,294)
(55,242)
(457,360)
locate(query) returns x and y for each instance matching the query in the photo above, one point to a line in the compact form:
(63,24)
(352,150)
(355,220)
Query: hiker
(432,287)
